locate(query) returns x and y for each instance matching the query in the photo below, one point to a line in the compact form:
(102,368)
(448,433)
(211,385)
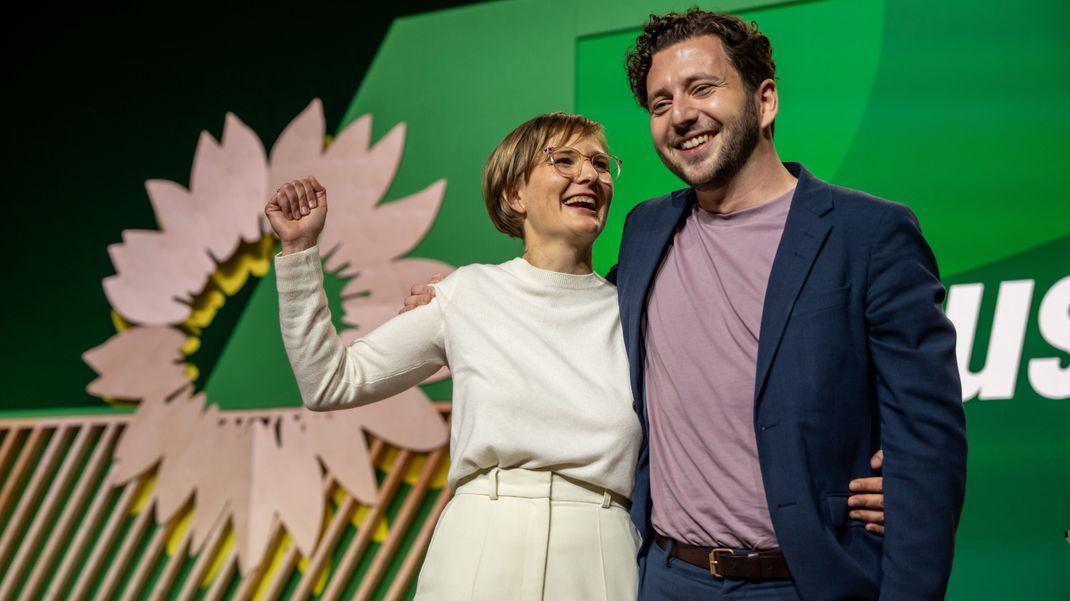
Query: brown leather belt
(729,563)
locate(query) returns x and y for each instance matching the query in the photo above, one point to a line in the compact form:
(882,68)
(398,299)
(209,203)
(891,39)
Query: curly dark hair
(748,49)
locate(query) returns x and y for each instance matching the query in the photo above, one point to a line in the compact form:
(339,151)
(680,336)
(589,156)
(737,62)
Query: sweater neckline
(528,272)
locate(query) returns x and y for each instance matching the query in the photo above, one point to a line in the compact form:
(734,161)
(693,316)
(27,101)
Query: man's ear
(768,103)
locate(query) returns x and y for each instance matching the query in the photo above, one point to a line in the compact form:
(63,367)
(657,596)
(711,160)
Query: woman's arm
(395,356)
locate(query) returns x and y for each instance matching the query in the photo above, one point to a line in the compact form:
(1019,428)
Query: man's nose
(684,114)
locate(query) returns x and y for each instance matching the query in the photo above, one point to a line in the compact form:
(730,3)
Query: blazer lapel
(648,241)
(657,235)
(804,234)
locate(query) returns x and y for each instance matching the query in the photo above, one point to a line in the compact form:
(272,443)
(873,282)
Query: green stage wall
(959,109)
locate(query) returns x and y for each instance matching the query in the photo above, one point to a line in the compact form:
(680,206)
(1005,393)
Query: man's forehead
(703,52)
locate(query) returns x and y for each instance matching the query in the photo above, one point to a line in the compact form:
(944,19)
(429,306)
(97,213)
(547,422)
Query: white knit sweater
(540,376)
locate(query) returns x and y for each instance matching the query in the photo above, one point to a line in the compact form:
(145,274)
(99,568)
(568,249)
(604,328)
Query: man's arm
(923,430)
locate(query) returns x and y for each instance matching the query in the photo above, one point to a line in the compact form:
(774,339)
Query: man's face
(703,121)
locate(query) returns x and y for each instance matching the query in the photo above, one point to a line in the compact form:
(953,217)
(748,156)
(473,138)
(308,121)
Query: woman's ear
(515,202)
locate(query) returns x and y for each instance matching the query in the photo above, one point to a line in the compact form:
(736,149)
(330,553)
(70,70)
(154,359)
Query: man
(779,330)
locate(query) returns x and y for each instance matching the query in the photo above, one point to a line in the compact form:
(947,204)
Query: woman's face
(561,208)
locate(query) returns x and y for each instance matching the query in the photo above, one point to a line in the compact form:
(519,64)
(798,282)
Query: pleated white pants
(530,536)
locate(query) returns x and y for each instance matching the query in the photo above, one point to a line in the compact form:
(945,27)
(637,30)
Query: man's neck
(762,179)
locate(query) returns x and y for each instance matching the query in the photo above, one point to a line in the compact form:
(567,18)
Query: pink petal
(138,363)
(386,233)
(406,420)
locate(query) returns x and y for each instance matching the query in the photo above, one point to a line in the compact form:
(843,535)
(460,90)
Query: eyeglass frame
(612,178)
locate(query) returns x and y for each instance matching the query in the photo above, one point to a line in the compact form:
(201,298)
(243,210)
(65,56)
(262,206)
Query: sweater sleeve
(399,354)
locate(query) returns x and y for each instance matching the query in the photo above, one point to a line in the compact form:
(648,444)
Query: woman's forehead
(587,143)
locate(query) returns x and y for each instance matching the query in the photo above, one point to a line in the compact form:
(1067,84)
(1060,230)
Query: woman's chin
(586,235)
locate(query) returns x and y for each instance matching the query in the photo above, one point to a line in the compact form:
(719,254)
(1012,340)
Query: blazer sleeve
(398,355)
(923,429)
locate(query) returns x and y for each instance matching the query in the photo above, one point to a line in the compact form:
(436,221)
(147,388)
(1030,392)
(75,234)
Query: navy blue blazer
(855,354)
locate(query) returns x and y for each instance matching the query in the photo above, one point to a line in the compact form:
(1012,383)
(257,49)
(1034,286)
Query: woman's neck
(559,257)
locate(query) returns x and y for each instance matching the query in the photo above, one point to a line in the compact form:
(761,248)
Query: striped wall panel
(67,531)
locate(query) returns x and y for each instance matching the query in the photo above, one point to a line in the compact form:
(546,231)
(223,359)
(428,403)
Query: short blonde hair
(512,162)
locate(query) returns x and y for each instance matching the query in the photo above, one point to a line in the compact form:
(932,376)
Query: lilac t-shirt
(702,323)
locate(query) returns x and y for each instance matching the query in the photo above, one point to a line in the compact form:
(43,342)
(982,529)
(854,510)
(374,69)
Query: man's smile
(695,143)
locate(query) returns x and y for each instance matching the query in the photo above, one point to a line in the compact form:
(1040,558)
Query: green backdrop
(956,108)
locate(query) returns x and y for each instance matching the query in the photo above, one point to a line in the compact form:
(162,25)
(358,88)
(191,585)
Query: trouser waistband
(538,484)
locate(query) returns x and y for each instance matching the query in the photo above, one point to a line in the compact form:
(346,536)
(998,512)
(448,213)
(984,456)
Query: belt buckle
(715,569)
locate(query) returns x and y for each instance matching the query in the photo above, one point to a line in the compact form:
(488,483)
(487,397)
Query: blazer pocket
(820,301)
(837,509)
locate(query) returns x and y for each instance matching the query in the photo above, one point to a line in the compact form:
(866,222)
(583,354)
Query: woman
(544,438)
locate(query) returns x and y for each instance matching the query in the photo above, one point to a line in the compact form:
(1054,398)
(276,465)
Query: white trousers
(530,536)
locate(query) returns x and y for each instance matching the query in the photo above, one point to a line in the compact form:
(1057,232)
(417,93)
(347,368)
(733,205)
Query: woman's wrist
(296,246)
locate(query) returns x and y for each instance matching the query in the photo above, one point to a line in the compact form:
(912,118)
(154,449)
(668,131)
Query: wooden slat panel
(399,527)
(7,448)
(283,572)
(24,456)
(67,420)
(250,581)
(344,571)
(28,500)
(337,526)
(97,461)
(222,579)
(147,561)
(162,588)
(124,560)
(104,494)
(411,566)
(192,585)
(104,541)
(19,473)
(43,514)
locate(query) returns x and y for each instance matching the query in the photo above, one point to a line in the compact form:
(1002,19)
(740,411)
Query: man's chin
(697,177)
(694,173)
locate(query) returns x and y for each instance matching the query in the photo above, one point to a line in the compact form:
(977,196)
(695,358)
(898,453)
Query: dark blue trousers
(666,578)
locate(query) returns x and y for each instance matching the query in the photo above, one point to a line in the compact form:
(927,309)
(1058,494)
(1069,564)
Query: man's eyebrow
(687,82)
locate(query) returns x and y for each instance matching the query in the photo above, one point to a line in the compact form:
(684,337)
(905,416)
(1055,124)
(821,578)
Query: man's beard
(738,142)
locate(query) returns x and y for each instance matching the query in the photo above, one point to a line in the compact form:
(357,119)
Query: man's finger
(317,187)
(867,515)
(868,501)
(875,529)
(438,277)
(418,300)
(877,461)
(871,484)
(415,300)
